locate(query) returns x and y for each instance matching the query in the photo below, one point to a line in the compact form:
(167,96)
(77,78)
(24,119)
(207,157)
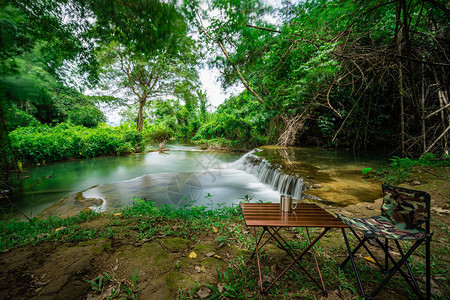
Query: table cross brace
(296,258)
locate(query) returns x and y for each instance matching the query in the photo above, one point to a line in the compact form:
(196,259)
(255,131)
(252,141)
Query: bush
(226,131)
(88,116)
(43,143)
(399,170)
(225,126)
(19,118)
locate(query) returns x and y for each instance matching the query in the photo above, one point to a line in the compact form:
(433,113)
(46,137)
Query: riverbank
(164,253)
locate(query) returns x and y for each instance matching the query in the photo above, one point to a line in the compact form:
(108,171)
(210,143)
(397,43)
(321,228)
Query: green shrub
(400,169)
(226,131)
(43,143)
(88,116)
(224,126)
(19,118)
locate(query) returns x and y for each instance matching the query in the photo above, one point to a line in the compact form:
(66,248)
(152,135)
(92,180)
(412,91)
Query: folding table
(272,219)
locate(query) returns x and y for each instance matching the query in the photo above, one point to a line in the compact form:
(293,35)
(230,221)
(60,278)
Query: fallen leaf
(215,229)
(60,228)
(204,292)
(199,269)
(220,287)
(193,255)
(209,254)
(217,256)
(117,214)
(368,258)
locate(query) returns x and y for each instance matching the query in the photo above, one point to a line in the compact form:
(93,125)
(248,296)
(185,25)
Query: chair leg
(413,278)
(395,269)
(350,255)
(386,260)
(391,272)
(428,267)
(413,284)
(361,244)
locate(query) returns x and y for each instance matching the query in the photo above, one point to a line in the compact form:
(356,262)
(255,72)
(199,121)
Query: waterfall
(271,174)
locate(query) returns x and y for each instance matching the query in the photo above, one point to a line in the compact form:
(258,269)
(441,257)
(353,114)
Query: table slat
(305,215)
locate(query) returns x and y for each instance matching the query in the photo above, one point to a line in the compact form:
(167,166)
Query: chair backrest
(406,206)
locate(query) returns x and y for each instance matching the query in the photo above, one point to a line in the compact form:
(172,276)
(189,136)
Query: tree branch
(244,82)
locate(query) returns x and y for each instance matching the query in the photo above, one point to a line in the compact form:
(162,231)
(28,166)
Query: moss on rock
(175,244)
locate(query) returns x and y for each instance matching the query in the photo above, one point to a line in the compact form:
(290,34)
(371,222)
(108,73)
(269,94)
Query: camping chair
(402,214)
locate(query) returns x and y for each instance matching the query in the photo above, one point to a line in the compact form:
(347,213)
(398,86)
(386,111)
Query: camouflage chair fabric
(402,214)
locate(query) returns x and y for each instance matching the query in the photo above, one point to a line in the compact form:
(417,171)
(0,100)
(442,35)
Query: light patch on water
(185,175)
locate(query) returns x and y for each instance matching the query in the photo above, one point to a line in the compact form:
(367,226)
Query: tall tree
(155,77)
(147,51)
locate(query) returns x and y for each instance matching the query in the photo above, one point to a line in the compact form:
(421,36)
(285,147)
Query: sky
(211,85)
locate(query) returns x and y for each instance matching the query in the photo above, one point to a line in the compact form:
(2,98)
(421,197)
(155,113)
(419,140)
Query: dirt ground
(164,266)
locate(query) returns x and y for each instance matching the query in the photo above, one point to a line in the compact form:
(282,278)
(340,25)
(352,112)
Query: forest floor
(150,253)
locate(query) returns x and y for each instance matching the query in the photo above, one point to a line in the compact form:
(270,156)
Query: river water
(186,175)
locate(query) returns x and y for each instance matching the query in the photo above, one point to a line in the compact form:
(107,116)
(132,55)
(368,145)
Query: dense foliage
(332,73)
(341,73)
(43,143)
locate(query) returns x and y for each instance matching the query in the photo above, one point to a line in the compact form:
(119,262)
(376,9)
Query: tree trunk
(400,75)
(7,159)
(140,122)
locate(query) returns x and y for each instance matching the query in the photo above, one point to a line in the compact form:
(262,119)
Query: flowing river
(186,175)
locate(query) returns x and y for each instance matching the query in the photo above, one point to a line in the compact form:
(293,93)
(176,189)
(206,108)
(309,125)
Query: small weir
(271,174)
(187,176)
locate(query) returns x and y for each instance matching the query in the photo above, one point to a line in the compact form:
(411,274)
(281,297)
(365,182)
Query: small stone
(209,254)
(199,269)
(39,283)
(416,182)
(204,292)
(369,207)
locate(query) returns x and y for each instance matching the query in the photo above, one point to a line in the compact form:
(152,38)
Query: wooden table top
(305,215)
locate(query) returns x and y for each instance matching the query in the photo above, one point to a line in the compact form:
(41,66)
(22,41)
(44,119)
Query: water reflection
(185,175)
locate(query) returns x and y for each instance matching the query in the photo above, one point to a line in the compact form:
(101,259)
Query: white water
(271,174)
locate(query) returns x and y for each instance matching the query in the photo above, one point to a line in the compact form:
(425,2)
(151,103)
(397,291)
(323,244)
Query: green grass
(145,218)
(400,169)
(224,227)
